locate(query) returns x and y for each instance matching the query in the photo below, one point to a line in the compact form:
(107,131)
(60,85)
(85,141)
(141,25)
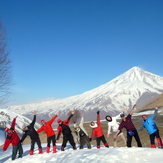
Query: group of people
(63,128)
(148,123)
(82,135)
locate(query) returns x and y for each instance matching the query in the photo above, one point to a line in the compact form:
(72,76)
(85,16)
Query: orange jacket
(98,130)
(48,128)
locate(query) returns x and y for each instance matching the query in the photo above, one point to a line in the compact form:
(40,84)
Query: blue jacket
(149,124)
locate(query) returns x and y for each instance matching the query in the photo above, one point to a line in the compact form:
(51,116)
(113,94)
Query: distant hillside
(150,105)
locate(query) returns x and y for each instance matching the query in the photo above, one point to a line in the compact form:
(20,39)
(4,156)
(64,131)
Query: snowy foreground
(103,155)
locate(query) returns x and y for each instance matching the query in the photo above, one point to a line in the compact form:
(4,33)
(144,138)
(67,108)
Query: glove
(90,139)
(98,112)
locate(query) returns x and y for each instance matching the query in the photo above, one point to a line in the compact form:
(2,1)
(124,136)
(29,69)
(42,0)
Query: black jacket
(31,132)
(64,128)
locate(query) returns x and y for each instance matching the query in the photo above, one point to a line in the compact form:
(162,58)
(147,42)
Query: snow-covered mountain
(134,86)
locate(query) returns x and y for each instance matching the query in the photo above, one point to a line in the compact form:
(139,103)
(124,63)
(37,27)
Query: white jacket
(114,125)
(81,125)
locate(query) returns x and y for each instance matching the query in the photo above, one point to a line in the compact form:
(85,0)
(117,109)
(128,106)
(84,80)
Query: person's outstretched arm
(98,118)
(119,115)
(59,132)
(52,120)
(140,128)
(121,126)
(13,123)
(109,131)
(115,136)
(155,112)
(82,121)
(6,144)
(132,110)
(40,129)
(34,119)
(67,121)
(23,137)
(92,135)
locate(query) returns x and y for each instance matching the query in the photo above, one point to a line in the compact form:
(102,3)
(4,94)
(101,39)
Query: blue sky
(64,48)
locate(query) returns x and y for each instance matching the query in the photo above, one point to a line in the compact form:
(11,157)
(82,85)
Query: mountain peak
(135,69)
(136,73)
(133,74)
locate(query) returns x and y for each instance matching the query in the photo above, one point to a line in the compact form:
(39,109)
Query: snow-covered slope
(94,155)
(134,86)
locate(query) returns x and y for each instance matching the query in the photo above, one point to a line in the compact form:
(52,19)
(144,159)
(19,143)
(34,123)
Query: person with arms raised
(30,131)
(151,127)
(130,128)
(13,138)
(113,125)
(47,127)
(82,134)
(64,129)
(98,132)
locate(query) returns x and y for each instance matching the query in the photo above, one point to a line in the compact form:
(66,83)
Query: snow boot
(153,146)
(62,149)
(98,146)
(106,145)
(74,148)
(159,142)
(40,151)
(20,156)
(47,149)
(31,152)
(54,149)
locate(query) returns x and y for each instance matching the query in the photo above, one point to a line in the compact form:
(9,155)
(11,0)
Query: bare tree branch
(5,67)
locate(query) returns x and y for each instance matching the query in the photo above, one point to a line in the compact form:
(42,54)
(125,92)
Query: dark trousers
(51,139)
(102,138)
(152,136)
(69,138)
(136,136)
(15,150)
(85,140)
(33,141)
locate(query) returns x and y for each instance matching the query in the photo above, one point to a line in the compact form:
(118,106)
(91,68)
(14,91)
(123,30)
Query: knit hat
(144,115)
(6,129)
(42,121)
(59,120)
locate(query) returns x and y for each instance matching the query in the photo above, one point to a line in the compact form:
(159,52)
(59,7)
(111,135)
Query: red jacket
(12,138)
(48,128)
(98,130)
